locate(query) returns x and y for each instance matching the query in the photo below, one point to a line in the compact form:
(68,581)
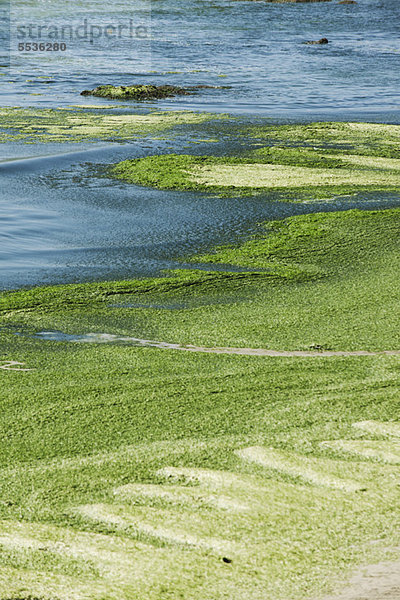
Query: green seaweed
(290,263)
(136,92)
(75,125)
(371,139)
(316,160)
(132,472)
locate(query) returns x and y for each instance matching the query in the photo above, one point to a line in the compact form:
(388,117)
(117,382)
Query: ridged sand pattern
(193,524)
(390,429)
(159,495)
(308,470)
(156,526)
(384,451)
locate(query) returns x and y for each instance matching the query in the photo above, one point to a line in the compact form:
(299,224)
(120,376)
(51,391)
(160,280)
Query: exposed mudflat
(380,581)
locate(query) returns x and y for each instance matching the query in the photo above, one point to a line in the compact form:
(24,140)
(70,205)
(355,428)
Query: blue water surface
(61,220)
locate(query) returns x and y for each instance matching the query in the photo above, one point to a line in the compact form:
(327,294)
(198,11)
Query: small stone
(321,41)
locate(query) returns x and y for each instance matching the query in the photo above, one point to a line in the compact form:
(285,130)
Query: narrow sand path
(103,338)
(294,353)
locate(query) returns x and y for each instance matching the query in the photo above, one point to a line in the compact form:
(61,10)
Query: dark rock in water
(290,1)
(317,42)
(295,1)
(144,92)
(347,2)
(136,92)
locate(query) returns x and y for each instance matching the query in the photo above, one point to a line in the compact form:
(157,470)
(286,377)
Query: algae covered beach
(199,301)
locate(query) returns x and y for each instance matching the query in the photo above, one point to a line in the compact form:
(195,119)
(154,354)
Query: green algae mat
(296,162)
(130,472)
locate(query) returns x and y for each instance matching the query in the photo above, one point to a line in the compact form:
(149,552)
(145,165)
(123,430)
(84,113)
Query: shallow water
(62,221)
(254,47)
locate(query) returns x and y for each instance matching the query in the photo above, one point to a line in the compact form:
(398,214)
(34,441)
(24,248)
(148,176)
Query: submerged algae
(327,280)
(293,250)
(66,125)
(328,242)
